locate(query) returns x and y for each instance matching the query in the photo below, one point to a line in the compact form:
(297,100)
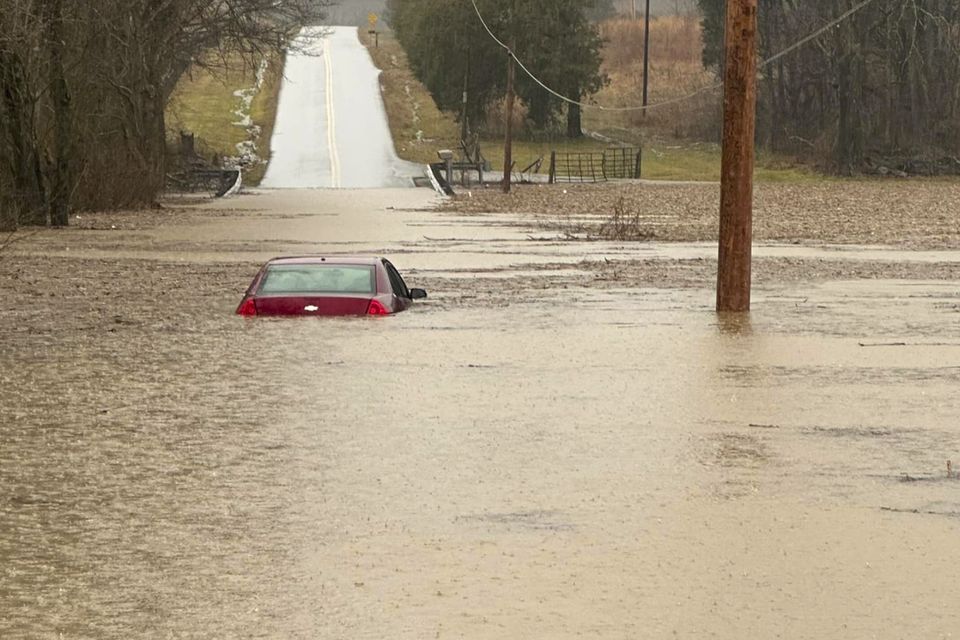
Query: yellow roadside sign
(372,18)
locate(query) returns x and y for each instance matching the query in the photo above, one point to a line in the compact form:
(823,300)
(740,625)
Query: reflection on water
(535,470)
(734,323)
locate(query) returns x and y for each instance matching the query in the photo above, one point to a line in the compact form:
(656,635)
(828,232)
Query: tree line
(451,53)
(883,87)
(84,86)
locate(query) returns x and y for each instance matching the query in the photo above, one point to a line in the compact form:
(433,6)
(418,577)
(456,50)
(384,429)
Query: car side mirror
(417,294)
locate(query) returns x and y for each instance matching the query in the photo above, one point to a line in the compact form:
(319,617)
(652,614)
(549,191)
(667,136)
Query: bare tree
(84,87)
(21,174)
(883,83)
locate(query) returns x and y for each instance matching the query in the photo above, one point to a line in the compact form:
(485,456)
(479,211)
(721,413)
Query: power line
(815,34)
(665,103)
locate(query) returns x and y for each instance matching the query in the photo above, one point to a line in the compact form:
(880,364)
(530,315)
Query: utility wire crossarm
(717,85)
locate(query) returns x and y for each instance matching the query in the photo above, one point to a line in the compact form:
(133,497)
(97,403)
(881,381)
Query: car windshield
(318,278)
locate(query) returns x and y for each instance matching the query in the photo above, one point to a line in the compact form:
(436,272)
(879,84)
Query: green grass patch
(702,163)
(677,163)
(204,104)
(660,162)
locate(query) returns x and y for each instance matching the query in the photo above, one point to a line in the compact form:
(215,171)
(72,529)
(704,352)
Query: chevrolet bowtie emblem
(311,308)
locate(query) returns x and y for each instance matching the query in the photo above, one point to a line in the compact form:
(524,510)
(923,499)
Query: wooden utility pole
(508,115)
(736,174)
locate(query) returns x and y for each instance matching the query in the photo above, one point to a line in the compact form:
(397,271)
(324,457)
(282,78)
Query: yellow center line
(331,119)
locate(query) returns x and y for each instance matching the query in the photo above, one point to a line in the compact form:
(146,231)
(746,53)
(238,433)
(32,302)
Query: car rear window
(318,278)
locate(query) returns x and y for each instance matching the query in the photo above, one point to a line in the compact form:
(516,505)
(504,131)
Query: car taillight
(376,308)
(247,308)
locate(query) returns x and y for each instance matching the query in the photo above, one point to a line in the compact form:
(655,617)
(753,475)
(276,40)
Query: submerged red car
(328,286)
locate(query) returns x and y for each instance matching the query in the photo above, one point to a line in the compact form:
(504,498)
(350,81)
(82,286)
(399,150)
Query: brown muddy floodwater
(504,461)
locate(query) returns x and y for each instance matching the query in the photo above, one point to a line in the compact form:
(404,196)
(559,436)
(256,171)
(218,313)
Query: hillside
(354,12)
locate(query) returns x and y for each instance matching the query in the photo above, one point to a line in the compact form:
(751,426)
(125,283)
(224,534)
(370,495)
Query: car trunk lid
(313,305)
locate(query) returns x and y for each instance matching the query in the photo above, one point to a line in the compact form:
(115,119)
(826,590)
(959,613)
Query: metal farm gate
(576,167)
(616,163)
(621,163)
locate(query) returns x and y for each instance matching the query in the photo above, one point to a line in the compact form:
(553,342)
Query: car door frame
(402,297)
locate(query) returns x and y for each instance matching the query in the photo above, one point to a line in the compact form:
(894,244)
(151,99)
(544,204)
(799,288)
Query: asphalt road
(331,129)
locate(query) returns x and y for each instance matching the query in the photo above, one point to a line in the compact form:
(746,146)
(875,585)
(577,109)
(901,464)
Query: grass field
(204,104)
(420,129)
(661,160)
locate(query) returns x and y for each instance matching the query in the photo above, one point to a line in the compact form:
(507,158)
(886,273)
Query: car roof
(346,260)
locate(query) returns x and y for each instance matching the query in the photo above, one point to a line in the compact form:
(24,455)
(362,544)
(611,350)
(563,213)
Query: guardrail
(222,182)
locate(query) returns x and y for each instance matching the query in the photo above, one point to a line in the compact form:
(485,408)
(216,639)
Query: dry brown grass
(673,39)
(624,224)
(676,71)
